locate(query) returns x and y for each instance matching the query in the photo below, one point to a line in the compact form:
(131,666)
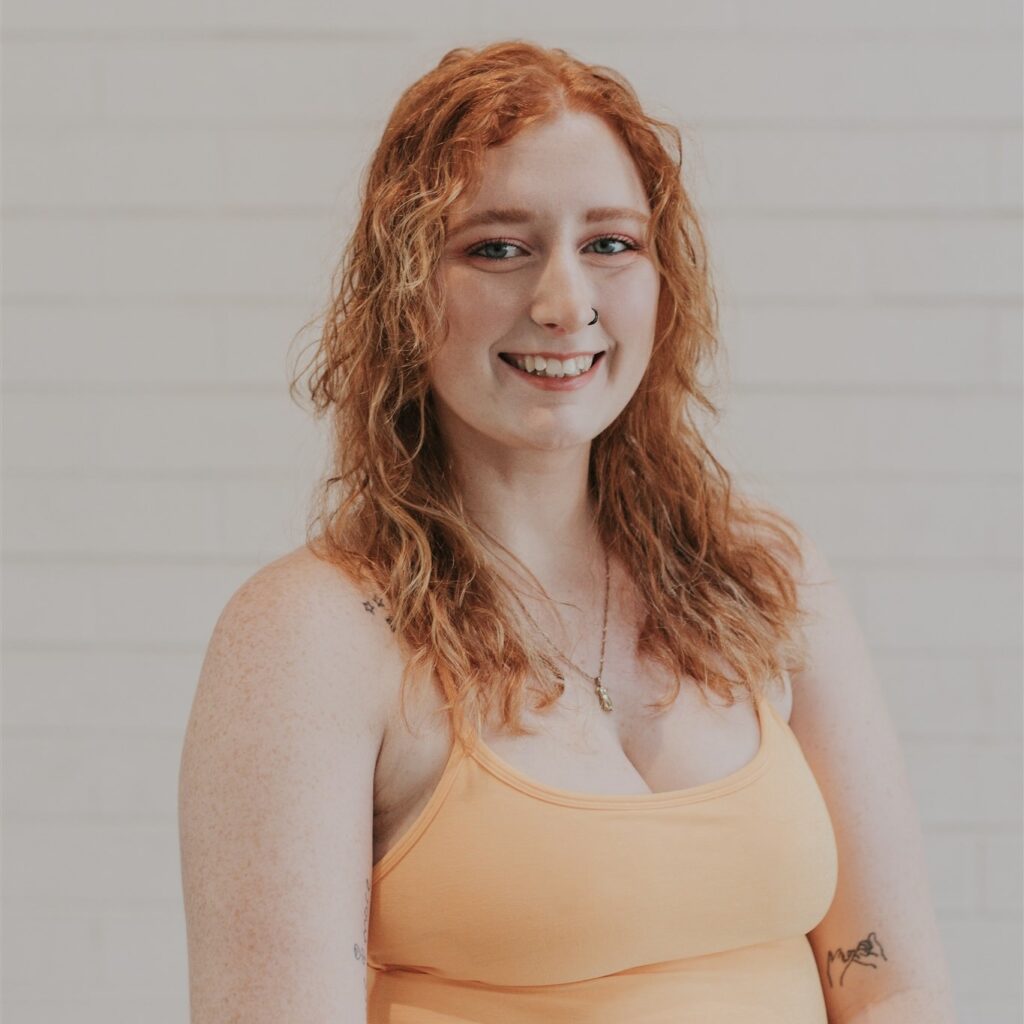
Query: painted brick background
(178,179)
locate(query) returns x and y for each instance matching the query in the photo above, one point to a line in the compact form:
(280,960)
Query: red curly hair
(715,573)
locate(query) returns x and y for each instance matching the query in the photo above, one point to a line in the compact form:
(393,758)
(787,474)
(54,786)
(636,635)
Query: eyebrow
(518,215)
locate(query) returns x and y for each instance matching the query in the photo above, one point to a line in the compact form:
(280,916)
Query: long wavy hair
(715,572)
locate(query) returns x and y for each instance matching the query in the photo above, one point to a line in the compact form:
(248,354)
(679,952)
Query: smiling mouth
(575,369)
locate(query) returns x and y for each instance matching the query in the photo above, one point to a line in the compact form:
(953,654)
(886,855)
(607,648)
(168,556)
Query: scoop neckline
(488,759)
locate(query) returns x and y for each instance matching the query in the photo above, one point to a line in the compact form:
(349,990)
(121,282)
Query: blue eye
(497,243)
(615,238)
(507,243)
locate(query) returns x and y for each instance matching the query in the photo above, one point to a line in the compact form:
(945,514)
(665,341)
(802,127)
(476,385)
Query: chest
(576,746)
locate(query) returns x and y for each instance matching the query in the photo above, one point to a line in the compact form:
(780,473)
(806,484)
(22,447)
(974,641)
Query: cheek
(448,368)
(476,303)
(637,297)
(459,371)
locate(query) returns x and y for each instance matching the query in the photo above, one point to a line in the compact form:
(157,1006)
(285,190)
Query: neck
(535,504)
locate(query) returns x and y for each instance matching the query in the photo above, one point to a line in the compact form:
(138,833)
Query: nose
(562,300)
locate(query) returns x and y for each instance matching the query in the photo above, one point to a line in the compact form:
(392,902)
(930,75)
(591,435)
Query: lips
(508,358)
(542,382)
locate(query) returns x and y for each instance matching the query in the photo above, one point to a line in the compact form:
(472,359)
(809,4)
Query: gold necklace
(602,694)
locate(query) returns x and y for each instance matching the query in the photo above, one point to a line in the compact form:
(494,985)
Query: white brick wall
(177,181)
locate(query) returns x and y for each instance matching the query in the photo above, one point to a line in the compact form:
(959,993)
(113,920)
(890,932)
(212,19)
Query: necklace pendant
(602,696)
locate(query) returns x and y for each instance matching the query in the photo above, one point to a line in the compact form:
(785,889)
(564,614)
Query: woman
(545,722)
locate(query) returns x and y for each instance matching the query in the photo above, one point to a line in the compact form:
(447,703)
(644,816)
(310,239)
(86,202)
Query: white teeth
(553,367)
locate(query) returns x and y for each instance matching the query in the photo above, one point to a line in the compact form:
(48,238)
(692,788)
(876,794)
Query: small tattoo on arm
(373,604)
(861,954)
(359,949)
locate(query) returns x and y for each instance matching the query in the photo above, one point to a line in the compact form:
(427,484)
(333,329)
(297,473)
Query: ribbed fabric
(512,902)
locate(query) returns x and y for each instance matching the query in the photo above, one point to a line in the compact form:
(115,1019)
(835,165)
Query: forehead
(571,165)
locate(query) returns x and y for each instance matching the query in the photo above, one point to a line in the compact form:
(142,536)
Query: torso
(577,746)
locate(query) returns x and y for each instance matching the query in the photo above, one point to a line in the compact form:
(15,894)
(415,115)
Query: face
(528,283)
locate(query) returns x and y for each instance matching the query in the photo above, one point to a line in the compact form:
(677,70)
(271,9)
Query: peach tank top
(511,902)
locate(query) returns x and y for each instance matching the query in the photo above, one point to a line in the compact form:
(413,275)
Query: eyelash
(631,246)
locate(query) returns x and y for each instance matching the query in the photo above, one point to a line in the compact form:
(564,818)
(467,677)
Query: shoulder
(301,625)
(822,605)
(835,683)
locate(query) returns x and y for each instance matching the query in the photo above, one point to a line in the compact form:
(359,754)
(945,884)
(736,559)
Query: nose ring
(594,321)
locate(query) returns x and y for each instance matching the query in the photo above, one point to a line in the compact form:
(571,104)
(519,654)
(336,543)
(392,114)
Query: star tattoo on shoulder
(373,604)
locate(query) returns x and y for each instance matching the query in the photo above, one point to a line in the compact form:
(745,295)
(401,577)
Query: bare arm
(276,803)
(879,949)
